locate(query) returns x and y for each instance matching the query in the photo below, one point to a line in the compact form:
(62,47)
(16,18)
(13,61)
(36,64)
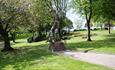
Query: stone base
(58,46)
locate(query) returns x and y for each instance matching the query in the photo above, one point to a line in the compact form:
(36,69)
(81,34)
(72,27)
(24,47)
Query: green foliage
(41,18)
(82,6)
(108,10)
(67,23)
(23,36)
(13,13)
(104,11)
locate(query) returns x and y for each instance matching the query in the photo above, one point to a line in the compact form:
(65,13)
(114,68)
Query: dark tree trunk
(88,19)
(109,28)
(60,28)
(89,31)
(60,35)
(7,46)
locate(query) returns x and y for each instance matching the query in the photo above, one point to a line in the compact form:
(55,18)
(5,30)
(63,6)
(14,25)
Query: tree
(57,10)
(108,12)
(12,14)
(86,8)
(42,18)
(105,12)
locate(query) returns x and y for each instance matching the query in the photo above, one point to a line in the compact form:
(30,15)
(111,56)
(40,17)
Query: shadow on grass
(26,55)
(23,57)
(110,35)
(109,42)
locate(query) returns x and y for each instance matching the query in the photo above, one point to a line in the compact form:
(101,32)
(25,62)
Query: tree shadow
(109,42)
(18,42)
(110,35)
(23,56)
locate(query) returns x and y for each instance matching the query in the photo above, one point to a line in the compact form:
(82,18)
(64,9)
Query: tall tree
(12,14)
(86,8)
(57,9)
(42,17)
(108,12)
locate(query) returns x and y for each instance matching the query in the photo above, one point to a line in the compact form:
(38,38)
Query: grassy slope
(102,42)
(35,56)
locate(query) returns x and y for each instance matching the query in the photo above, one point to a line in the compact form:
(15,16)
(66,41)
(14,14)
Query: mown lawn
(38,58)
(102,42)
(35,56)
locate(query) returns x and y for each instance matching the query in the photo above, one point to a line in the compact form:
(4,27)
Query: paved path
(95,58)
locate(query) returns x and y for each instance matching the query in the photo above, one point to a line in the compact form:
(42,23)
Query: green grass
(35,56)
(38,58)
(102,42)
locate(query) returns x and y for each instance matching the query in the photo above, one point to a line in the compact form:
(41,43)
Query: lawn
(102,42)
(38,58)
(35,56)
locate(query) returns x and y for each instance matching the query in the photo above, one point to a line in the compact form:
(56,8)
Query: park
(57,35)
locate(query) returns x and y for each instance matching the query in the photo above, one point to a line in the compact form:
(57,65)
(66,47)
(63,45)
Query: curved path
(95,58)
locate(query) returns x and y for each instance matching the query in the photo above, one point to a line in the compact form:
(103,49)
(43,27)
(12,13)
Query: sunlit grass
(36,58)
(102,42)
(23,43)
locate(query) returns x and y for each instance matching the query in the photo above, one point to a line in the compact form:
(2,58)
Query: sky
(75,18)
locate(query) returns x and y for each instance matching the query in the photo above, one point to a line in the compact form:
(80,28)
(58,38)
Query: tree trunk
(101,26)
(60,28)
(51,36)
(109,28)
(89,32)
(7,46)
(88,21)
(55,37)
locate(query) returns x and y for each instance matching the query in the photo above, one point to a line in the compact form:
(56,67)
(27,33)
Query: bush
(30,40)
(22,36)
(36,38)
